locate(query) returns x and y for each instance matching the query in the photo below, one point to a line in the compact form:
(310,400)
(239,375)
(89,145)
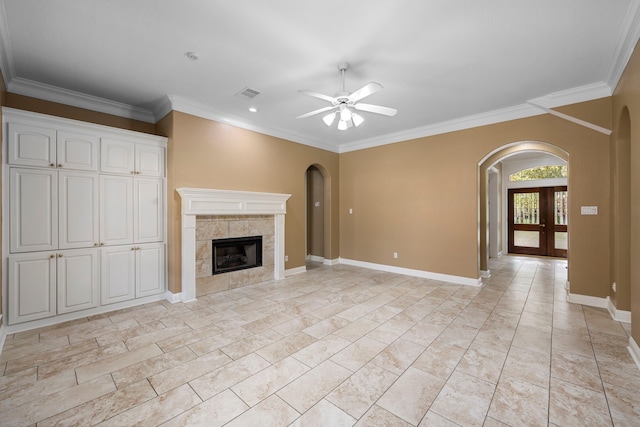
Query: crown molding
(574,95)
(629,35)
(6,55)
(188,106)
(51,93)
(491,117)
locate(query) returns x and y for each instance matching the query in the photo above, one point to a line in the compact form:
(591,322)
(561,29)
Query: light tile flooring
(336,346)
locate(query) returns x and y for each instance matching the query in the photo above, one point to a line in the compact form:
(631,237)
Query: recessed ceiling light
(192,56)
(253,109)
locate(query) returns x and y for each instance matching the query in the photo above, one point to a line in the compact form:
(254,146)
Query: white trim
(619,315)
(629,34)
(209,201)
(54,320)
(574,95)
(77,99)
(458,280)
(490,117)
(587,300)
(295,270)
(634,350)
(173,298)
(335,261)
(485,274)
(6,53)
(572,119)
(194,108)
(3,334)
(315,258)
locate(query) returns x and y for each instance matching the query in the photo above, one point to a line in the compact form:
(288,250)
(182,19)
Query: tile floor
(336,346)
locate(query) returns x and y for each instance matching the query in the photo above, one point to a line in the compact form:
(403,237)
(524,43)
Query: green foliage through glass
(539,172)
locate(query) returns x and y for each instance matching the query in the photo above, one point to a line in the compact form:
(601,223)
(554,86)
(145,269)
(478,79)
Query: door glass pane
(560,209)
(525,208)
(561,240)
(527,239)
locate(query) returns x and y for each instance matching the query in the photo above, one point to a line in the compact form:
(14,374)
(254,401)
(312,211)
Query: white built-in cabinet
(84,218)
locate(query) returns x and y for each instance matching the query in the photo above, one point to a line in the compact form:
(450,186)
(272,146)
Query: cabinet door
(149,160)
(78,215)
(149,269)
(117,274)
(148,210)
(78,280)
(116,210)
(31,145)
(75,151)
(32,287)
(117,156)
(33,218)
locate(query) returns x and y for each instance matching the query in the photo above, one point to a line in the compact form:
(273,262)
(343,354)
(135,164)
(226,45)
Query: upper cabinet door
(116,210)
(76,151)
(31,145)
(149,160)
(148,210)
(33,207)
(117,156)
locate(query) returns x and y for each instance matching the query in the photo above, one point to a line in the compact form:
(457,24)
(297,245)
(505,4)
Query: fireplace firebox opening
(237,253)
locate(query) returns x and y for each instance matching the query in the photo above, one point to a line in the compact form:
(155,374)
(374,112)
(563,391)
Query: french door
(538,221)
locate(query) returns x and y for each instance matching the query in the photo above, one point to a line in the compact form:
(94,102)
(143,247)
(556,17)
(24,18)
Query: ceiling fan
(343,102)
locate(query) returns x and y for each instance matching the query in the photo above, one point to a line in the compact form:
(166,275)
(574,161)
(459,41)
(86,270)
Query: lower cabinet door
(117,273)
(78,280)
(32,286)
(149,269)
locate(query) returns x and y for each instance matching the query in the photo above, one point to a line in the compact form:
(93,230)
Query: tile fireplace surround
(201,202)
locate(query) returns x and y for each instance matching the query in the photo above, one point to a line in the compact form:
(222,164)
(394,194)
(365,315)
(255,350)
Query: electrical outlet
(395,254)
(350,211)
(286,258)
(613,287)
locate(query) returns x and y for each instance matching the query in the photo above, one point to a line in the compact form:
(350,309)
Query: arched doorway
(318,213)
(492,221)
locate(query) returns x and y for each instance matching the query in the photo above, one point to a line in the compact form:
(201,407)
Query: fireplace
(240,204)
(235,254)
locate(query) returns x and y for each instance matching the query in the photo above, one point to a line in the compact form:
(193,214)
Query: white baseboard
(485,274)
(635,351)
(173,298)
(619,315)
(587,300)
(331,261)
(458,280)
(296,270)
(315,258)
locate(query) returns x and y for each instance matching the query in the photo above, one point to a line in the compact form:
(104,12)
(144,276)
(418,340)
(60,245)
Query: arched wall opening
(318,213)
(486,183)
(620,254)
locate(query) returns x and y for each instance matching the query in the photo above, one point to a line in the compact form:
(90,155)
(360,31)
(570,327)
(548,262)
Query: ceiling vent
(248,93)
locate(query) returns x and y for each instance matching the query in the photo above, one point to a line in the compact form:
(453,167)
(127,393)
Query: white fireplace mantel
(204,201)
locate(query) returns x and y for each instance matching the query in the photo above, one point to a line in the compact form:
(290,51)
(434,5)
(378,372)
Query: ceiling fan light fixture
(345,113)
(329,118)
(342,125)
(357,119)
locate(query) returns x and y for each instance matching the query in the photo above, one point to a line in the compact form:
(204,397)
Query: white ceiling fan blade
(314,112)
(364,91)
(376,109)
(318,95)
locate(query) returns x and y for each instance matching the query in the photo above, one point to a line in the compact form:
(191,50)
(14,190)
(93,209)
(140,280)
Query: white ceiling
(445,65)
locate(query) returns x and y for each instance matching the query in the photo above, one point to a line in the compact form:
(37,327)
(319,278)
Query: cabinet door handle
(52,256)
(95,244)
(52,165)
(101,243)
(59,166)
(59,255)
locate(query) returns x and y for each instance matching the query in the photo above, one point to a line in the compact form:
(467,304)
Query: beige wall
(420,198)
(207,154)
(626,119)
